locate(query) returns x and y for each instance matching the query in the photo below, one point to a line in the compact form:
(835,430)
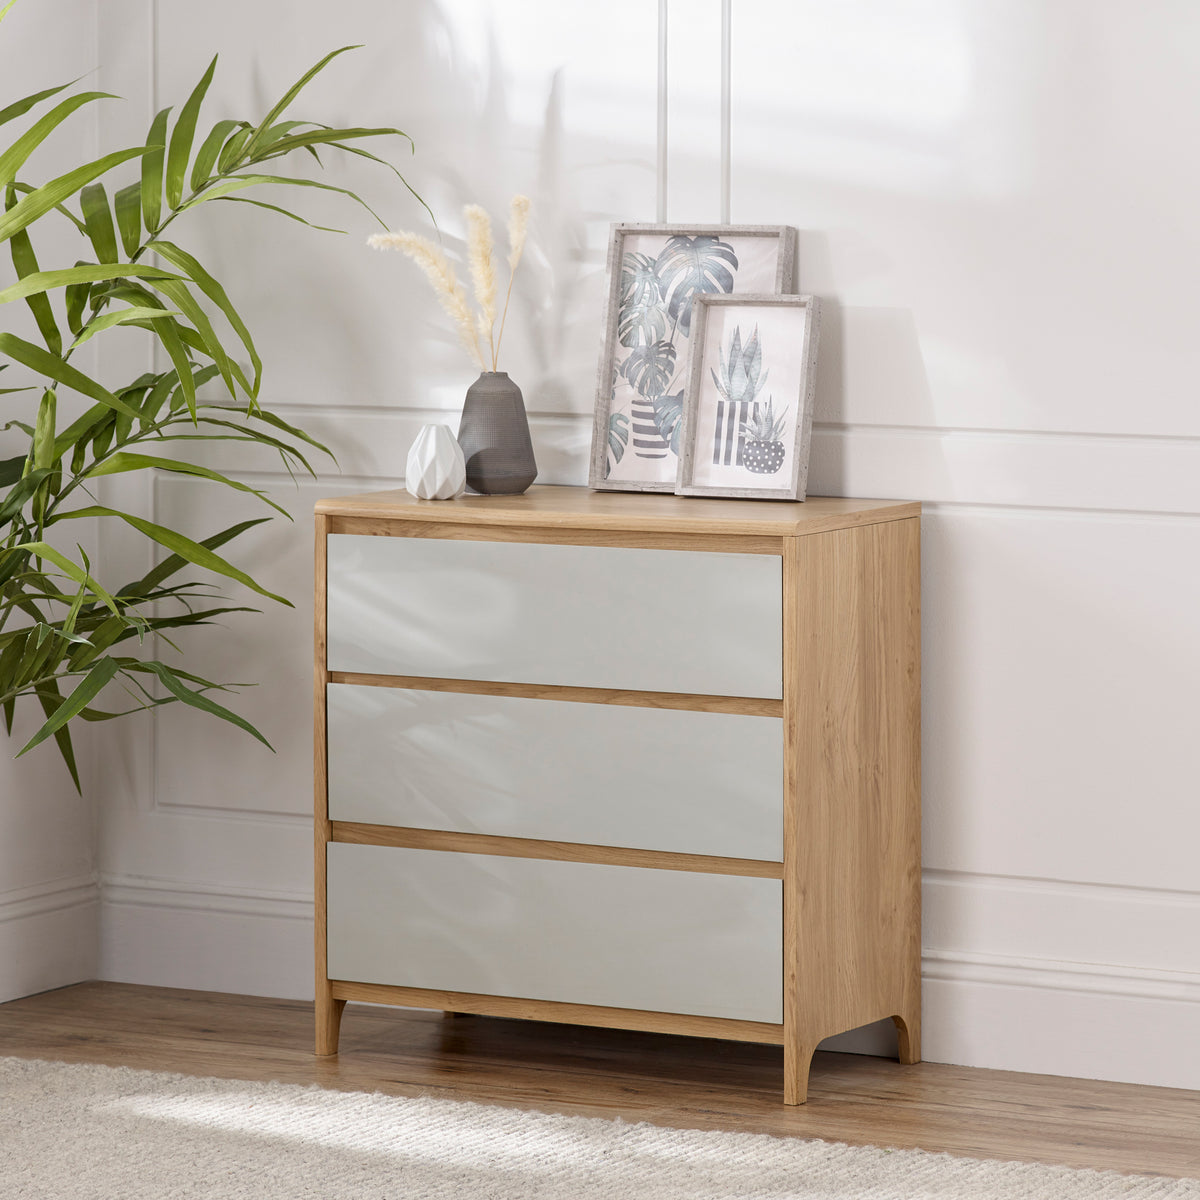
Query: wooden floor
(684,1082)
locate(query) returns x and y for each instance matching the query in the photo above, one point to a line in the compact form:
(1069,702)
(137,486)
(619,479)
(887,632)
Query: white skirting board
(48,936)
(1044,1016)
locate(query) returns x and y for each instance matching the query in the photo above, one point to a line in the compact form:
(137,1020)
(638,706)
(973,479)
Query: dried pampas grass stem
(441,275)
(483,271)
(518,224)
(474,331)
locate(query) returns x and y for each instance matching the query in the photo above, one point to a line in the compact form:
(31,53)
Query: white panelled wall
(996,205)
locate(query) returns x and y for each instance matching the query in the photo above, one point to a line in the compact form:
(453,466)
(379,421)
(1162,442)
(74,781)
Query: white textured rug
(97,1133)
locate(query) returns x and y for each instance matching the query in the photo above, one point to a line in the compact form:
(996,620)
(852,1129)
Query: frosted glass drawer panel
(585,616)
(621,937)
(649,778)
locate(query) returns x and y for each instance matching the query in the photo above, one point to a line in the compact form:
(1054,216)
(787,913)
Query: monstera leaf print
(668,411)
(618,435)
(642,320)
(649,368)
(688,266)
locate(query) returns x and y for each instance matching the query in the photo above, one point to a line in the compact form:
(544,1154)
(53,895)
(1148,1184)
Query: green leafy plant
(66,635)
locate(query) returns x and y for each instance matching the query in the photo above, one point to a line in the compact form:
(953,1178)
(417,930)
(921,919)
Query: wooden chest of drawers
(624,760)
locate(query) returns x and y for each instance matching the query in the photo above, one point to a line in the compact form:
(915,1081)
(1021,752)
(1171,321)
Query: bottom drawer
(619,937)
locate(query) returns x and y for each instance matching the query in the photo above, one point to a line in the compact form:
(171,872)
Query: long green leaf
(237,183)
(120,316)
(41,200)
(177,688)
(281,129)
(169,334)
(97,217)
(324,137)
(25,263)
(181,138)
(243,434)
(231,153)
(152,170)
(12,159)
(128,205)
(18,496)
(111,629)
(291,94)
(179,294)
(182,260)
(80,697)
(47,281)
(64,564)
(42,450)
(76,299)
(206,157)
(10,470)
(279,423)
(80,430)
(176,562)
(177,543)
(51,701)
(276,208)
(53,367)
(123,461)
(156,397)
(22,106)
(26,188)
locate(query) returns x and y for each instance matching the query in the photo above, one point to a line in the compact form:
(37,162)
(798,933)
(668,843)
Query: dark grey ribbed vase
(494,436)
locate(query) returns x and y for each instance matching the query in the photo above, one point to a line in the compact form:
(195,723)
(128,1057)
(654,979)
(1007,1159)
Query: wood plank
(852,782)
(328,1008)
(557,1012)
(511,847)
(749,706)
(680,1082)
(715,543)
(575,508)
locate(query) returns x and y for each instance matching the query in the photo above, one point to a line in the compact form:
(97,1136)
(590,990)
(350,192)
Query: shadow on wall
(370,336)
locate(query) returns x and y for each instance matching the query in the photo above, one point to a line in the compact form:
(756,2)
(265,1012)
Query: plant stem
(503,318)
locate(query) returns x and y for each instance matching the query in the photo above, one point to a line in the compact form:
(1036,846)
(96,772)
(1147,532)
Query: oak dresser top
(548,507)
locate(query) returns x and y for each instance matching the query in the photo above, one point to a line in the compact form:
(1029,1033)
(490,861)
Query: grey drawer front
(583,616)
(605,774)
(619,937)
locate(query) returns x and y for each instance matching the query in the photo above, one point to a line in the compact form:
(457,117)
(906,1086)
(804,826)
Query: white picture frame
(654,274)
(747,413)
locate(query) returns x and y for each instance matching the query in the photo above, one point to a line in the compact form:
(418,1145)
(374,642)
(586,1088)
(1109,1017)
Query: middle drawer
(602,774)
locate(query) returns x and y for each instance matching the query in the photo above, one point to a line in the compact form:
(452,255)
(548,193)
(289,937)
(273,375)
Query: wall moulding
(50,896)
(1003,468)
(1093,1020)
(956,965)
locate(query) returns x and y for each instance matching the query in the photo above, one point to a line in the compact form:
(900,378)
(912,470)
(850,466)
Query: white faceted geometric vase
(436,469)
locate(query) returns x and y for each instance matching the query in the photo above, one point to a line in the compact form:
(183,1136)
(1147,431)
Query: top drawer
(579,616)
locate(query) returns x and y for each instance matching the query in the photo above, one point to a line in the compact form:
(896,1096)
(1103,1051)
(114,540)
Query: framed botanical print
(747,410)
(655,273)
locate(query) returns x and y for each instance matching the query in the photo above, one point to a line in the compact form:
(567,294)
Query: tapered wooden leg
(797,1058)
(329,1020)
(909,1030)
